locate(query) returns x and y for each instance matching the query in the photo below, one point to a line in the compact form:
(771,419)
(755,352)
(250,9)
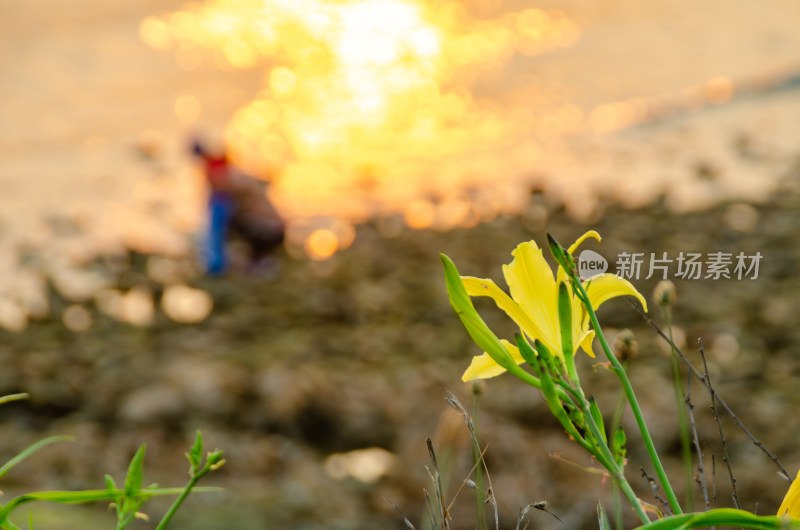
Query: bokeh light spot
(321,244)
(718,90)
(185,304)
(188,108)
(155,33)
(77,318)
(365,465)
(282,80)
(420,214)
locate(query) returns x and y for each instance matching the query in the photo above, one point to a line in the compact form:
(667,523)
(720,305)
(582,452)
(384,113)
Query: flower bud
(626,345)
(665,293)
(478,387)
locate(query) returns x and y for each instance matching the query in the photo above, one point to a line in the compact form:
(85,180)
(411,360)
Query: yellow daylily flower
(533,304)
(791,503)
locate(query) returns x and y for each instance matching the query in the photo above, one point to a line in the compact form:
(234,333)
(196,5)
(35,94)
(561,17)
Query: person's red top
(217,171)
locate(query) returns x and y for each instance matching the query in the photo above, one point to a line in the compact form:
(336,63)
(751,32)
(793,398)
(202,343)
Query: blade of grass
(13,397)
(722,516)
(78,497)
(28,451)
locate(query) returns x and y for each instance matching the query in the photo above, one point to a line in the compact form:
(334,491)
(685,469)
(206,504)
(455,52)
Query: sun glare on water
(367,107)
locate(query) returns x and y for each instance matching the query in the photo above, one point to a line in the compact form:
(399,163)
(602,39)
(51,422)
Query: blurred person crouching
(238,206)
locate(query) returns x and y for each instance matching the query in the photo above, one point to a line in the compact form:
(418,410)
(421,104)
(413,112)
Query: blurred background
(379,132)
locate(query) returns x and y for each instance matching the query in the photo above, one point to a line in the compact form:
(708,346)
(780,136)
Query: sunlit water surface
(428,114)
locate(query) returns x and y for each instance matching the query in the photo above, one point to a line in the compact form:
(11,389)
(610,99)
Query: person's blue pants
(220,211)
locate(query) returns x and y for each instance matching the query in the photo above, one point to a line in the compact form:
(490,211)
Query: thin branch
(701,480)
(467,481)
(453,401)
(399,511)
(437,482)
(722,402)
(725,456)
(654,487)
(490,496)
(541,505)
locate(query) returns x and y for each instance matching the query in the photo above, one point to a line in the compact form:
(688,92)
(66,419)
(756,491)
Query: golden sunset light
(272,235)
(367,108)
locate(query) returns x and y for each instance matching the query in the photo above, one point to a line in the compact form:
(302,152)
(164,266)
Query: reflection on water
(368,107)
(429,110)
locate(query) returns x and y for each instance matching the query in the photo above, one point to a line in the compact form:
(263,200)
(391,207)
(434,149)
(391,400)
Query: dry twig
(719,399)
(701,479)
(725,456)
(654,486)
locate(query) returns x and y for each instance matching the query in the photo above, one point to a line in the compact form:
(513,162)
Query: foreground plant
(791,502)
(553,313)
(534,305)
(127,501)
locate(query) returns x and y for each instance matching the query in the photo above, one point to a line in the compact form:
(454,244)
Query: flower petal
(584,237)
(485,287)
(533,287)
(606,286)
(586,342)
(791,503)
(483,367)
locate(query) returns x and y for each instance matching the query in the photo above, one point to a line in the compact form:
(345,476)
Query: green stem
(632,498)
(618,476)
(616,421)
(526,377)
(617,500)
(610,463)
(629,394)
(182,497)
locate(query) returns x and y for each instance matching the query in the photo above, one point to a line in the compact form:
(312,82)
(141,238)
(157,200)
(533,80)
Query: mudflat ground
(359,351)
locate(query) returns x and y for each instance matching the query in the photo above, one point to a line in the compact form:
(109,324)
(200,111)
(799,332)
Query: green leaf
(472,321)
(618,446)
(526,351)
(8,525)
(29,451)
(565,320)
(722,517)
(196,452)
(79,497)
(133,480)
(552,396)
(552,363)
(597,416)
(214,459)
